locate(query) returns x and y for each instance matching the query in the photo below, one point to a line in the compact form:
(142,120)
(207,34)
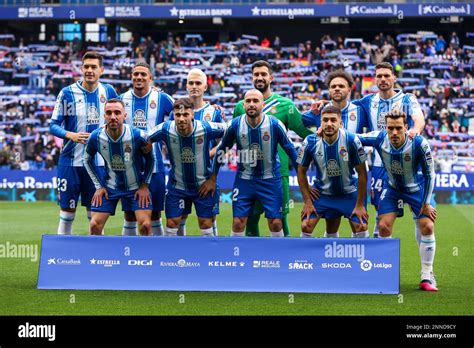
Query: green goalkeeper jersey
(285,110)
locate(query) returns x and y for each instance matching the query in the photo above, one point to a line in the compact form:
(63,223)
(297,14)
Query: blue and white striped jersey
(334,162)
(354,118)
(78,110)
(189,155)
(147,112)
(402,164)
(258,146)
(126,165)
(376,107)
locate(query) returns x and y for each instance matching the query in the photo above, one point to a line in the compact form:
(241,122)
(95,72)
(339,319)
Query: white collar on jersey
(398,92)
(146,95)
(79,84)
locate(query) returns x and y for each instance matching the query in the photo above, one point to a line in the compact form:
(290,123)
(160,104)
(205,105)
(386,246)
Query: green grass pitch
(24,223)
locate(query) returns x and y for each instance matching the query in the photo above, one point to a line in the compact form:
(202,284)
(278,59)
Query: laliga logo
(366,265)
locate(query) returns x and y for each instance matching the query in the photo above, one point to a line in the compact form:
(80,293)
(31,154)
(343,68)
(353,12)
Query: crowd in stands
(437,69)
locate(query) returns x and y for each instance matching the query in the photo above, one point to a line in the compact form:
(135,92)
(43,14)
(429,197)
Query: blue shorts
(267,191)
(378,180)
(74,182)
(158,191)
(179,202)
(389,201)
(129,203)
(332,206)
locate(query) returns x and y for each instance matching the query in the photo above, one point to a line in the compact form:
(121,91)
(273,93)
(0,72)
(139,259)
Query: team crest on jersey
(102,99)
(199,140)
(207,116)
(117,163)
(333,168)
(266,137)
(187,155)
(258,153)
(273,110)
(407,157)
(152,105)
(128,148)
(92,115)
(139,119)
(396,168)
(352,116)
(343,153)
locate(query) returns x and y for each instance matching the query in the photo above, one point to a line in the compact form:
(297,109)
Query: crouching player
(122,148)
(402,157)
(336,154)
(188,142)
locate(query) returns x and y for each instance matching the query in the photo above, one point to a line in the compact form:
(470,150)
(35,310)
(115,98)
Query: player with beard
(285,110)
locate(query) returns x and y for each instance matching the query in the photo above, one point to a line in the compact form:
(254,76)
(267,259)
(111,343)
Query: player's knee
(173,223)
(385,228)
(307,226)
(360,227)
(426,227)
(275,225)
(95,227)
(145,228)
(205,224)
(238,224)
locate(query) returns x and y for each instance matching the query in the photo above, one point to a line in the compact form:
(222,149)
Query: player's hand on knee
(314,193)
(308,209)
(208,186)
(143,196)
(361,214)
(97,198)
(429,211)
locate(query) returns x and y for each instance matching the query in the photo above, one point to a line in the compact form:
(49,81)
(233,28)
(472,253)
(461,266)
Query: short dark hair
(260,63)
(396,114)
(342,74)
(385,65)
(144,64)
(331,109)
(115,100)
(183,103)
(92,55)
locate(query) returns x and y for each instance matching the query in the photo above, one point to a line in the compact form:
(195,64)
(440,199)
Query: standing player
(79,110)
(188,144)
(146,107)
(257,134)
(286,111)
(196,85)
(336,154)
(377,106)
(128,170)
(354,117)
(402,157)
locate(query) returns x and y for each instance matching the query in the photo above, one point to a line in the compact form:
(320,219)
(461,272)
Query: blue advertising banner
(237,11)
(367,266)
